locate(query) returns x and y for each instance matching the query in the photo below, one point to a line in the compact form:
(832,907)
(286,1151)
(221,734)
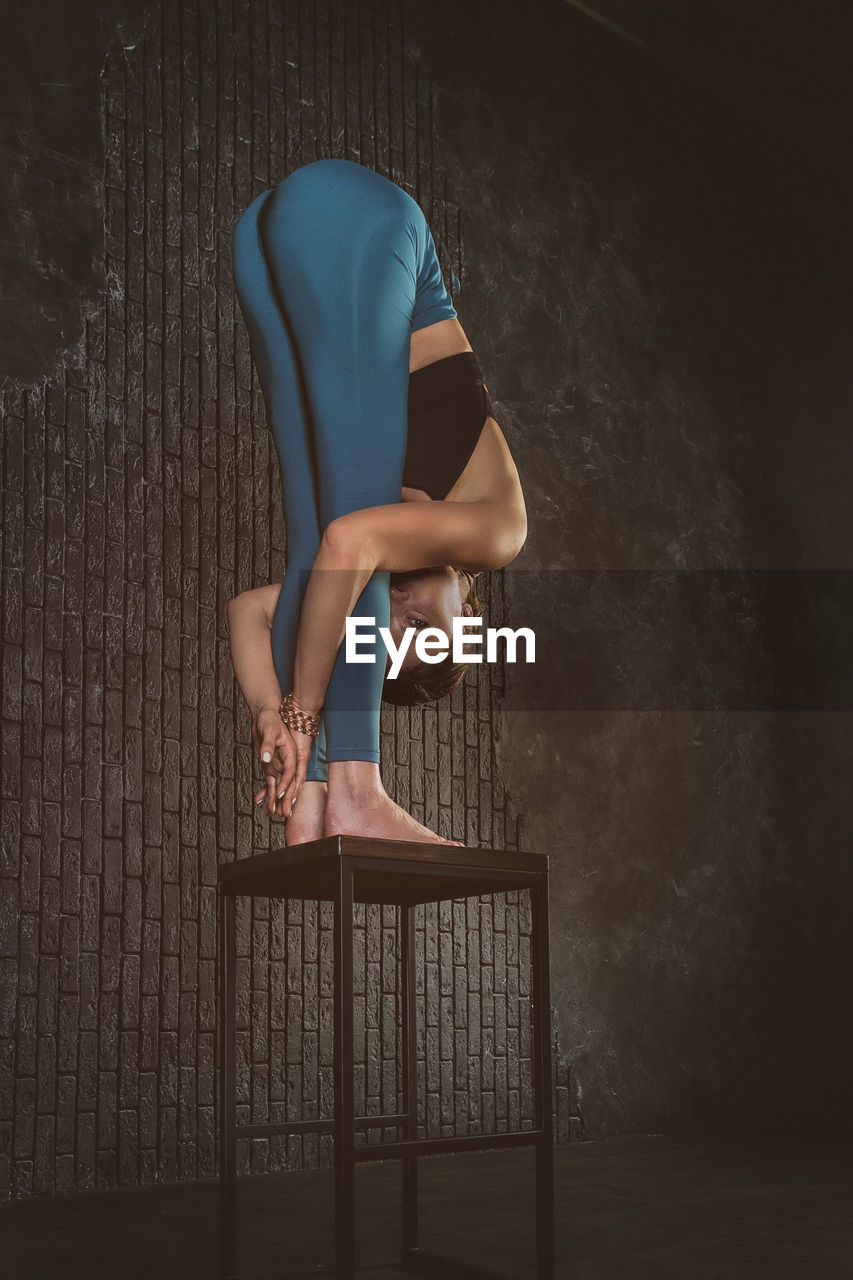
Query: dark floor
(659,1208)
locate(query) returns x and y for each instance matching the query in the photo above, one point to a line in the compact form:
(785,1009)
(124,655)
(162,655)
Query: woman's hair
(429,681)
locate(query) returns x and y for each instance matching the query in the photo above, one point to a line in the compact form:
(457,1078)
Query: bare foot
(307,820)
(358,805)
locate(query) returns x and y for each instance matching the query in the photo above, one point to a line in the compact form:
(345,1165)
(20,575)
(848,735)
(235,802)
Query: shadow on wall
(660,297)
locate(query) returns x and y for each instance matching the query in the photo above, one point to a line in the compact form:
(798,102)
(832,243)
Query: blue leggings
(335,268)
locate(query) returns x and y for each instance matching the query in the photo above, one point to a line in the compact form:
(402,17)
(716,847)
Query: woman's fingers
(274,787)
(265,731)
(291,788)
(265,725)
(274,804)
(292,746)
(289,752)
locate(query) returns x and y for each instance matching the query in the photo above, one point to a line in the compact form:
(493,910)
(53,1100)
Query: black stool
(344,870)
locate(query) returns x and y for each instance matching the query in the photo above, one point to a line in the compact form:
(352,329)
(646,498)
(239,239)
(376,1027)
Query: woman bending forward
(391,463)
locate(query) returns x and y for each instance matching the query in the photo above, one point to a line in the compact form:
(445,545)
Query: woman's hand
(250,616)
(284,759)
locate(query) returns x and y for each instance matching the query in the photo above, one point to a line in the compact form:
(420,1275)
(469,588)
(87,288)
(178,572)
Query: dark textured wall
(654,297)
(52,164)
(140,493)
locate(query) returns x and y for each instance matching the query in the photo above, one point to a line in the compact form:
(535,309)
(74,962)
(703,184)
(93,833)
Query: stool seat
(399,873)
(345,869)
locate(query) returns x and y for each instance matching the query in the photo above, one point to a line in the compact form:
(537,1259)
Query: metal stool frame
(345,870)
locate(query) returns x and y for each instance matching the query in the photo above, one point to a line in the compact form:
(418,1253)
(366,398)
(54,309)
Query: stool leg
(408,978)
(542,1083)
(343,1073)
(227,1089)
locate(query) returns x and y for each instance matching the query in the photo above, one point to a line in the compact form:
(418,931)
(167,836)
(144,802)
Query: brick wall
(140,493)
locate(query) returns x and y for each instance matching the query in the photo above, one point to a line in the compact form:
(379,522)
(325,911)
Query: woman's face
(425,598)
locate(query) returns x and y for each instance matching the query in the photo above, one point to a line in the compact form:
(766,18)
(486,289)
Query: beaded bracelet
(301,721)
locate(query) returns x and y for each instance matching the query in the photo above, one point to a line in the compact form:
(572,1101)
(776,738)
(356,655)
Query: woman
(391,463)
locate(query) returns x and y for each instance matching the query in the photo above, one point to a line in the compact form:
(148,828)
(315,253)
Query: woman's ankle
(351,779)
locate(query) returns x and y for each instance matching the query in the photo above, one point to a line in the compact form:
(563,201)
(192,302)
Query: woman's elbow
(520,533)
(238,603)
(510,542)
(346,542)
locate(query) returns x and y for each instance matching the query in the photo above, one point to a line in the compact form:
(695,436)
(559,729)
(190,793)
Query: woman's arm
(399,537)
(250,617)
(249,625)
